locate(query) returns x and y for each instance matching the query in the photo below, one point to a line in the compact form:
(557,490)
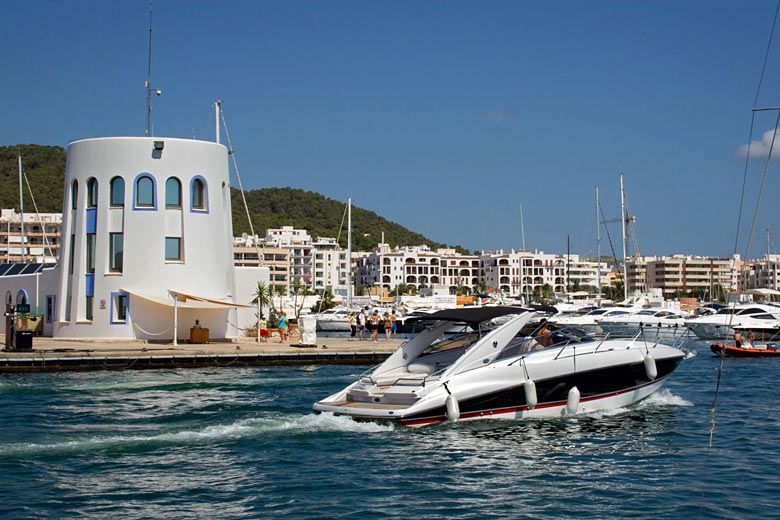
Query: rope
(739,220)
(37,214)
(231,153)
(151,333)
(338,237)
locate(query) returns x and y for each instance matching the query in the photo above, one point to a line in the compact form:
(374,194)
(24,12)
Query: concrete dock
(50,355)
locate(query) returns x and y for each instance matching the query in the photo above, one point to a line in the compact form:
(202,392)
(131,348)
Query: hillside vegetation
(269,207)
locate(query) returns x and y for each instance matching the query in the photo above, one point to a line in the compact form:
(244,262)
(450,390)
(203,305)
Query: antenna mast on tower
(148,85)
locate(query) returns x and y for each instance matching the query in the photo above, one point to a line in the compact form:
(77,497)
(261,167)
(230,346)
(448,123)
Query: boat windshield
(459,341)
(560,337)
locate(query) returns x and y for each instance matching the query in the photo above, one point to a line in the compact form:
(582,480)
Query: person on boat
(394,325)
(282,327)
(738,340)
(197,325)
(544,335)
(352,326)
(388,325)
(751,340)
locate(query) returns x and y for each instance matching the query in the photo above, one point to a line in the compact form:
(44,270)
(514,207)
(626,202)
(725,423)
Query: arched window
(199,194)
(74,195)
(8,298)
(92,192)
(21,297)
(172,193)
(117,192)
(144,192)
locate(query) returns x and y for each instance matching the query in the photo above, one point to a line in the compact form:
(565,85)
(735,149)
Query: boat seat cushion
(420,368)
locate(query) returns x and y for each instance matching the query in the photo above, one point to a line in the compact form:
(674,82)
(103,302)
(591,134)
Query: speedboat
(587,322)
(514,370)
(744,316)
(654,323)
(768,350)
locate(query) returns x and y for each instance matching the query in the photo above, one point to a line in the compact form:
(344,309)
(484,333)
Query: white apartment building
(251,251)
(683,273)
(317,264)
(330,266)
(761,273)
(42,237)
(299,244)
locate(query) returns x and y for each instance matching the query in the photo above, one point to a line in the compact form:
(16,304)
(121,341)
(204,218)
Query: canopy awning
(763,291)
(187,301)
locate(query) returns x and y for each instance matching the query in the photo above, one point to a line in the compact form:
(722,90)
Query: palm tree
(262,297)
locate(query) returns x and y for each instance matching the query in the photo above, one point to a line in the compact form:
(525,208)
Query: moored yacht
(654,323)
(744,316)
(587,322)
(514,370)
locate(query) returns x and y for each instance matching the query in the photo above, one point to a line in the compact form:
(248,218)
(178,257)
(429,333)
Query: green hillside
(269,207)
(45,169)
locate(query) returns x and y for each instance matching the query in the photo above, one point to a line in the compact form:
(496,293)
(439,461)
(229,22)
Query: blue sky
(441,116)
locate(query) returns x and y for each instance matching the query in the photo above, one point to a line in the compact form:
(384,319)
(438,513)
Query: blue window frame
(119,302)
(144,193)
(199,195)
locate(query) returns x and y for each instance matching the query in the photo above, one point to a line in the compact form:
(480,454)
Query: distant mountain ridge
(268,207)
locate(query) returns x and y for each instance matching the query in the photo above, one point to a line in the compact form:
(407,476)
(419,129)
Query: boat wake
(659,399)
(287,425)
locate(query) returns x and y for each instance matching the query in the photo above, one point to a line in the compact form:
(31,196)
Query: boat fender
(650,368)
(453,409)
(530,394)
(573,400)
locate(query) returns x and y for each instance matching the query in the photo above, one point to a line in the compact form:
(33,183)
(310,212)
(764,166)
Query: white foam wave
(257,426)
(664,397)
(661,398)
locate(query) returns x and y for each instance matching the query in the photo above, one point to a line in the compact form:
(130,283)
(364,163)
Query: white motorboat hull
(333,325)
(610,401)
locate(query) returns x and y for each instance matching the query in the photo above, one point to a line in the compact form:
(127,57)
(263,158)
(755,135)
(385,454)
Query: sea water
(243,443)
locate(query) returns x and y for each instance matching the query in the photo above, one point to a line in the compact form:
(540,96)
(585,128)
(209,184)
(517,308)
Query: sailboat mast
(522,227)
(623,222)
(598,249)
(21,209)
(349,252)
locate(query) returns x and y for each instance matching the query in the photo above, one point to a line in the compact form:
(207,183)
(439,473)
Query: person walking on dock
(388,325)
(352,326)
(361,324)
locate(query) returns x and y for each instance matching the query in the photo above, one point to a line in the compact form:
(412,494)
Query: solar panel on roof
(15,269)
(4,268)
(31,268)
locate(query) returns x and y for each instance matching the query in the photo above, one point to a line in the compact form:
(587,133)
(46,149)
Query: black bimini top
(473,315)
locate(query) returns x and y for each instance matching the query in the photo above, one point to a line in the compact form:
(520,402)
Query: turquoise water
(242,443)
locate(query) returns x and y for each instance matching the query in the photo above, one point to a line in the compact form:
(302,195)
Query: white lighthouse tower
(147,240)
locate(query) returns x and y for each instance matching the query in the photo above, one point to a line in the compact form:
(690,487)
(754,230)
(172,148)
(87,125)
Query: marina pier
(52,355)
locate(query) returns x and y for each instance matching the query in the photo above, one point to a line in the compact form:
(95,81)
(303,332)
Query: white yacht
(334,320)
(511,371)
(744,316)
(587,322)
(654,323)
